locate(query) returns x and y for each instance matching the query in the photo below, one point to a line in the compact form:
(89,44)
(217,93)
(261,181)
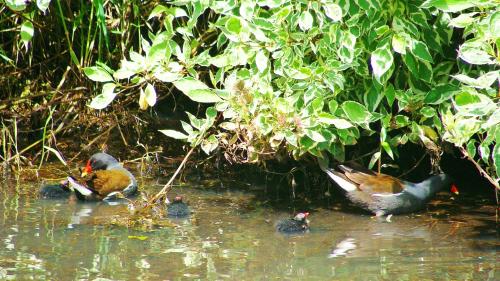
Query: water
(231,236)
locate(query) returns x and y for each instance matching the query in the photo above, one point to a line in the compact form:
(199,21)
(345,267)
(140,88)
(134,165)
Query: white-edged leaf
(261,61)
(150,95)
(105,98)
(174,134)
(196,90)
(43,5)
(381,61)
(305,21)
(97,74)
(27,32)
(333,11)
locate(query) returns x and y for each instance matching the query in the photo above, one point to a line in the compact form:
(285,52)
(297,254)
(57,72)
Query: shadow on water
(231,235)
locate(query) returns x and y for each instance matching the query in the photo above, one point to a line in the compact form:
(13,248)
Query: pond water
(231,236)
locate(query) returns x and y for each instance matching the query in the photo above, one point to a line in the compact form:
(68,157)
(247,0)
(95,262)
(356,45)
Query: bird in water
(297,224)
(104,179)
(178,209)
(55,191)
(386,195)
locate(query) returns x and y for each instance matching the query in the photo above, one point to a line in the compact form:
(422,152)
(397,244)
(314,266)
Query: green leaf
(150,95)
(356,112)
(105,98)
(474,55)
(483,82)
(196,90)
(496,158)
(399,43)
(27,32)
(43,4)
(463,20)
(471,148)
(234,25)
(419,49)
(261,61)
(157,52)
(97,74)
(315,135)
(16,5)
(329,119)
(449,5)
(174,134)
(247,10)
(387,149)
(381,61)
(440,94)
(305,21)
(374,159)
(495,25)
(333,11)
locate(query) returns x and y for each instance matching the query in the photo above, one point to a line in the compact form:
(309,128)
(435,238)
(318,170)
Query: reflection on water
(229,237)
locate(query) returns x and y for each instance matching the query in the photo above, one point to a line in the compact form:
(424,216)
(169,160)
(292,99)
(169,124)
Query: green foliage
(295,75)
(312,77)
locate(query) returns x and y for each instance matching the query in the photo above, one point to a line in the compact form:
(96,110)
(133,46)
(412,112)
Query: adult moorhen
(178,209)
(298,224)
(105,179)
(387,195)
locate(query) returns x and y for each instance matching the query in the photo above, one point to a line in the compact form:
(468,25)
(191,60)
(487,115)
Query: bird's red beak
(87,170)
(454,189)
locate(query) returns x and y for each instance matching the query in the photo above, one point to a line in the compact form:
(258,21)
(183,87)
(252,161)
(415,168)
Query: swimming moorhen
(384,194)
(55,191)
(178,209)
(298,224)
(105,179)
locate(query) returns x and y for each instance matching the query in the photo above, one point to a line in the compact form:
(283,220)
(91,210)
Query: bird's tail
(340,180)
(75,186)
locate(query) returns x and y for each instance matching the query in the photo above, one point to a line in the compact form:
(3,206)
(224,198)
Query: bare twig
(479,168)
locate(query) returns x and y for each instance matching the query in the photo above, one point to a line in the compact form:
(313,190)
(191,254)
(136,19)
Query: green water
(231,236)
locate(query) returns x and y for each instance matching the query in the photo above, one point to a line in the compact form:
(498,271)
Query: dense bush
(312,77)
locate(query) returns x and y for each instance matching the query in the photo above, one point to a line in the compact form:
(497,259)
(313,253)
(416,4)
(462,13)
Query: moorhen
(55,191)
(387,195)
(178,209)
(298,224)
(105,179)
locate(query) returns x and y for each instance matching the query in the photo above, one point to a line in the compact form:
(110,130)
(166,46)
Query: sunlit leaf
(305,21)
(333,11)
(356,112)
(27,32)
(261,61)
(381,61)
(43,5)
(105,98)
(174,134)
(97,74)
(196,90)
(449,5)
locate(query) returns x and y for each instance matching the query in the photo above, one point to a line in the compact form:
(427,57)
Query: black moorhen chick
(55,191)
(178,209)
(105,178)
(387,195)
(298,224)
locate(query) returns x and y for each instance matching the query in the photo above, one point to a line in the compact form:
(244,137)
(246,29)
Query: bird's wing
(382,184)
(105,182)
